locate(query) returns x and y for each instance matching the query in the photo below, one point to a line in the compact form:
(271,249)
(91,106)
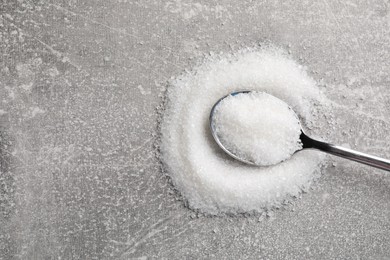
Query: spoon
(307,143)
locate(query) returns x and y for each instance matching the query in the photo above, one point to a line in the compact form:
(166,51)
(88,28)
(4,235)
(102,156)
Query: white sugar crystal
(211,181)
(257,127)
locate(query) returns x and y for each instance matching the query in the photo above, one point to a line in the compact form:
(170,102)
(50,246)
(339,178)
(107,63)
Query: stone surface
(79,86)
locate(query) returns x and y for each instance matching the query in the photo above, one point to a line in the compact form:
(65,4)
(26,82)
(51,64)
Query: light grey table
(79,86)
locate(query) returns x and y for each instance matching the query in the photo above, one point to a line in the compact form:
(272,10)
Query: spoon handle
(346,153)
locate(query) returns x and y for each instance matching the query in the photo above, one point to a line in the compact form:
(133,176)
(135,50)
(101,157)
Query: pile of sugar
(211,181)
(257,127)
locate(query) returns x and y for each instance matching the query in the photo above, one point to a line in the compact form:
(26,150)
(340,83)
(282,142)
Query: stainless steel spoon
(307,143)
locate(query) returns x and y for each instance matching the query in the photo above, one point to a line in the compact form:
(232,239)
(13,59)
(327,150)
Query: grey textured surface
(80,81)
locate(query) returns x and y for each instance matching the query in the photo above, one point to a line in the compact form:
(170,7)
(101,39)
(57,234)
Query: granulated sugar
(211,181)
(257,127)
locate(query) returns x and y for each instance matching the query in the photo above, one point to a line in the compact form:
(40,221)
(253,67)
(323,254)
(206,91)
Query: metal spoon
(307,143)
